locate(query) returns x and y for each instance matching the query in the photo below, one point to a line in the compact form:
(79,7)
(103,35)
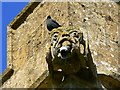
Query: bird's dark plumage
(51,24)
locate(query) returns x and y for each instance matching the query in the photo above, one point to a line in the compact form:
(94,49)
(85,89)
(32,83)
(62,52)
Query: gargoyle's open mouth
(65,48)
(64,51)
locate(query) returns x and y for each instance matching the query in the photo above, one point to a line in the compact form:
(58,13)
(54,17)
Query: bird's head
(49,17)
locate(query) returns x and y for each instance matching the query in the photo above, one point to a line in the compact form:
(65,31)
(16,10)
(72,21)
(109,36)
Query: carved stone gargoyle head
(66,51)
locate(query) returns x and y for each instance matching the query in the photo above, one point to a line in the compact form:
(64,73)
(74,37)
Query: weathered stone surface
(101,28)
(28,43)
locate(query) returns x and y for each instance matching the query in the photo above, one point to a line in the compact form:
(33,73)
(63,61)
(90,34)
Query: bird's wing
(56,23)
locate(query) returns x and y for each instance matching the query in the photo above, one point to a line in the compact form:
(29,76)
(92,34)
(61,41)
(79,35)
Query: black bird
(51,24)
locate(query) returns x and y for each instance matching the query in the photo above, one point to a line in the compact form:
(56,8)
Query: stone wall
(28,43)
(101,29)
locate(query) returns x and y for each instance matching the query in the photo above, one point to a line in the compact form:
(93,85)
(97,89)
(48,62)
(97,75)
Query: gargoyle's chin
(64,51)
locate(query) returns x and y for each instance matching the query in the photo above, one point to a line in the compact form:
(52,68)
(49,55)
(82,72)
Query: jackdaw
(51,24)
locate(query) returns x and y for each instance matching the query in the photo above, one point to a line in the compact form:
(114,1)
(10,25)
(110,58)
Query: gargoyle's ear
(51,24)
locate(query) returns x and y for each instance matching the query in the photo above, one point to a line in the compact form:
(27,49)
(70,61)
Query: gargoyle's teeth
(59,70)
(59,55)
(63,48)
(63,78)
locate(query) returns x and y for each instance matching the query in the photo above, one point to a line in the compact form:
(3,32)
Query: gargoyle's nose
(66,43)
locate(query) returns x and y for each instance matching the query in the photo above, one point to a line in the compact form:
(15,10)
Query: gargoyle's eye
(75,34)
(55,37)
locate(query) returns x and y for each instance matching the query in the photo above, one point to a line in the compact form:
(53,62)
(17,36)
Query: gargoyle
(68,61)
